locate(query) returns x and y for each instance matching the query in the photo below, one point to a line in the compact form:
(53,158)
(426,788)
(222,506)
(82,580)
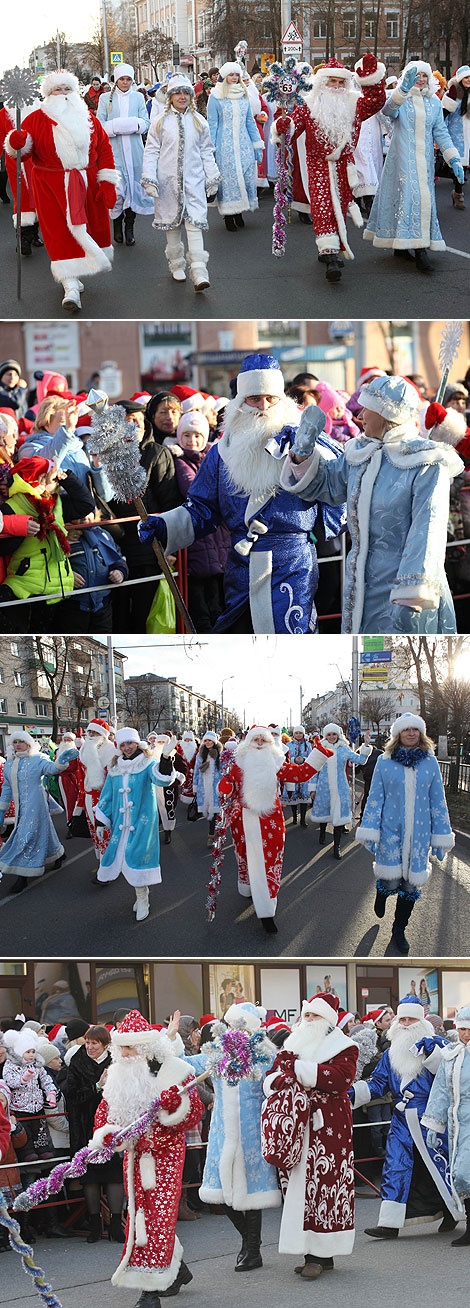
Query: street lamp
(299,679)
(232,678)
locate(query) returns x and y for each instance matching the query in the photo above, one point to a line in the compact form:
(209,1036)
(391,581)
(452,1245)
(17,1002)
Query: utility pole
(355,707)
(111,682)
(57,41)
(105,40)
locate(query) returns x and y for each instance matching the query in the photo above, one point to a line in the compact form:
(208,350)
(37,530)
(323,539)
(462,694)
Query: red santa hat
(141,398)
(366,374)
(194,401)
(206,1017)
(375,1014)
(33,469)
(332,69)
(445,426)
(61,77)
(182,393)
(57,1030)
(100,726)
(324,1005)
(344,1018)
(135,1030)
(84,424)
(276,1024)
(257,731)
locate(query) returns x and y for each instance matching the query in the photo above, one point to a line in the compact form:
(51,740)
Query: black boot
(116,1229)
(37,238)
(117,230)
(129,220)
(333,268)
(403,913)
(148,1299)
(5,198)
(465,1238)
(380,903)
(322,836)
(167,838)
(293,809)
(303,815)
(269,925)
(229,220)
(26,238)
(239,221)
(382,1232)
(183,1278)
(448,1223)
(337,833)
(305,218)
(238,1220)
(95,1229)
(423,262)
(252,1258)
(18,885)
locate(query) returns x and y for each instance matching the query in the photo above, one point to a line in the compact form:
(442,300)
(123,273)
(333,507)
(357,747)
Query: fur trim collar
(131,766)
(404,449)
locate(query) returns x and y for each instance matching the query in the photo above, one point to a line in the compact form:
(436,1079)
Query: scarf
(45,514)
(408,757)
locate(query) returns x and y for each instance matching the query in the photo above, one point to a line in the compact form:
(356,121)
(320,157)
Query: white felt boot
(141,906)
(174,251)
(71,301)
(197,259)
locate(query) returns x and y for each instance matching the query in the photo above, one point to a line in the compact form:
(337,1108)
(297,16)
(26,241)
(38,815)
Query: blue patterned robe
(234,136)
(205,787)
(448,1108)
(127,149)
(236,1172)
(405,815)
(332,801)
(128,804)
(403,215)
(397,494)
(411,1097)
(298,792)
(33,845)
(458,127)
(279,574)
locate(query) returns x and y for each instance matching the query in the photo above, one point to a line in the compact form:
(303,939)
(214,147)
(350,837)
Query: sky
(39,21)
(265,669)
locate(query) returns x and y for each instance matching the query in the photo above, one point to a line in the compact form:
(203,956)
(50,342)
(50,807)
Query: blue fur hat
(260,374)
(393,397)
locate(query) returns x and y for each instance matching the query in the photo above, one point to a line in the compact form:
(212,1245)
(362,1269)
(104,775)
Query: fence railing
(455,774)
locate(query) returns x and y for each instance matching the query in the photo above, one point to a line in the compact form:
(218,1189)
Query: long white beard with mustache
(259,768)
(402,1038)
(334,112)
(252,470)
(307,1037)
(95,759)
(72,116)
(130,1089)
(188,749)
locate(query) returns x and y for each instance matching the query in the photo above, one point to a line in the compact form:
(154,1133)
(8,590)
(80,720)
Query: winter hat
(410,1007)
(324,1005)
(462,1018)
(329,398)
(24,1039)
(245,1017)
(393,397)
(179,83)
(277,1024)
(34,1026)
(225,735)
(228,68)
(136,1031)
(260,374)
(421,67)
(210,735)
(454,388)
(206,1017)
(180,393)
(332,726)
(193,421)
(31,470)
(139,400)
(344,1018)
(298,729)
(123,70)
(22,735)
(221,403)
(100,726)
(275,730)
(47,1050)
(126,735)
(76,1028)
(57,1032)
(408,720)
(391,81)
(194,401)
(10,365)
(49,383)
(332,69)
(375,1014)
(58,78)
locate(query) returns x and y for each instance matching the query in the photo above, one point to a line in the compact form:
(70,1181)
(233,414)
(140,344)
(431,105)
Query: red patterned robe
(88,797)
(307,1135)
(72,197)
(259,839)
(153,1171)
(28,207)
(69,786)
(332,172)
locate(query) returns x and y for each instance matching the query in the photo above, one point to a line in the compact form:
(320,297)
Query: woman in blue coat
(207,774)
(448,1109)
(128,805)
(124,117)
(405,817)
(332,801)
(397,486)
(403,217)
(456,108)
(298,793)
(237,144)
(33,846)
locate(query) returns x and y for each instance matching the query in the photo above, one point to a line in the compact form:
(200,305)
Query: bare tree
(52,658)
(57,57)
(155,48)
(81,690)
(453,701)
(376,708)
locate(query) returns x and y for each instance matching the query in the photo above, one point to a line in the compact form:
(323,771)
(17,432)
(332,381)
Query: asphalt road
(325,907)
(248,281)
(376,1271)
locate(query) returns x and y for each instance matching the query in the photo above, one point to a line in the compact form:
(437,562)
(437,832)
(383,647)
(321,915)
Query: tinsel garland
(27,1257)
(237,1055)
(215,874)
(286,86)
(281,200)
(115,442)
(408,757)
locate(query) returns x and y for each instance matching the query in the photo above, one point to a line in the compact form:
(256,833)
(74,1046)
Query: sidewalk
(407,1271)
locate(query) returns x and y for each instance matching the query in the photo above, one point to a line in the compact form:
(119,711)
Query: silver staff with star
(286,86)
(17,90)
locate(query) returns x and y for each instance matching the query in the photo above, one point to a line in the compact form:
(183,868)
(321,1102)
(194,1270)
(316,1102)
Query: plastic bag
(162,613)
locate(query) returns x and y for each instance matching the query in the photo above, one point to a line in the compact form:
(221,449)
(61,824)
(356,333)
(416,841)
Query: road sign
(117,56)
(377,656)
(372,643)
(291,36)
(378,672)
(103,702)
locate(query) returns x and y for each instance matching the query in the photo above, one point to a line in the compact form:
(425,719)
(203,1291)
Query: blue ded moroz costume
(416,1185)
(272,571)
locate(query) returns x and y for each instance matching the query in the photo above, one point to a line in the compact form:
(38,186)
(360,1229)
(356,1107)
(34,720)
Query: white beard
(402,1038)
(95,760)
(252,470)
(73,133)
(306,1038)
(188,749)
(334,113)
(130,1089)
(259,768)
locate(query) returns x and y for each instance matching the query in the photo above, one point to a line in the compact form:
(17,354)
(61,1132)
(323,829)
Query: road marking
(463,253)
(9,899)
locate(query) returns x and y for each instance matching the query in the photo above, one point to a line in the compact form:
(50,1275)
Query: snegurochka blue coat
(236,1172)
(33,845)
(405,816)
(448,1110)
(397,492)
(278,576)
(332,801)
(411,1097)
(298,791)
(128,804)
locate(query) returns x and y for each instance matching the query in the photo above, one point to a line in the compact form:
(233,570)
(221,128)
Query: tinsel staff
(450,344)
(236,1055)
(221,828)
(115,441)
(26,1254)
(286,86)
(18,89)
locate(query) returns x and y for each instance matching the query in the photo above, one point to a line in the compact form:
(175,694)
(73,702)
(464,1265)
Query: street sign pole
(355,708)
(111,682)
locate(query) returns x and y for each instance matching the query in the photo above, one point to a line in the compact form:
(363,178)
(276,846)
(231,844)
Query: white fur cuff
(422,595)
(368,833)
(362,1094)
(451,154)
(306,1072)
(99,1135)
(449,104)
(398,96)
(443,842)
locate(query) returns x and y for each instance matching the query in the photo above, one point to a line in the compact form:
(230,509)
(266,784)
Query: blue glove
(153,526)
(458,170)
(432,1139)
(409,79)
(311,424)
(352,1094)
(438,852)
(371,845)
(425,1046)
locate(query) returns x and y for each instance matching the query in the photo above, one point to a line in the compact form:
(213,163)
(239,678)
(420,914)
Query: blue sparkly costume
(33,845)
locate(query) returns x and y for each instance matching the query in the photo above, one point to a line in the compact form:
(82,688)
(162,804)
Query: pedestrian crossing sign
(117,56)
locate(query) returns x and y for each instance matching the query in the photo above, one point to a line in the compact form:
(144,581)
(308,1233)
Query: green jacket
(37,567)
